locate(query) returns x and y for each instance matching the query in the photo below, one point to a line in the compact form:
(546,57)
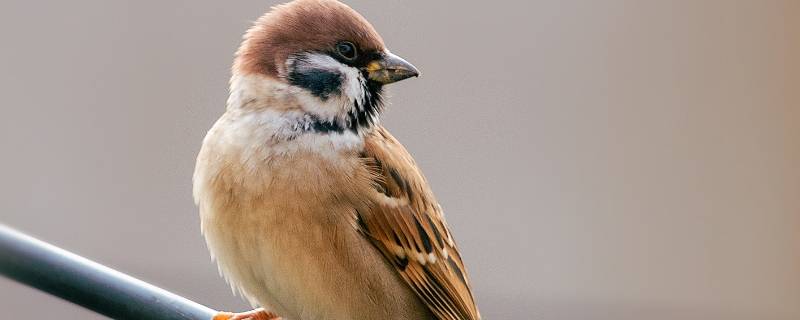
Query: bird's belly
(299,254)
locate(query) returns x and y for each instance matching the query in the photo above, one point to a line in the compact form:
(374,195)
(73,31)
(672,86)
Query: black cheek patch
(322,83)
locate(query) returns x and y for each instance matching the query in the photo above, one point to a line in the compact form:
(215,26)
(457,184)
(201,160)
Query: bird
(311,209)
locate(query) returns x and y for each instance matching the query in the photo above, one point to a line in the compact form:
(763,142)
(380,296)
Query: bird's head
(327,57)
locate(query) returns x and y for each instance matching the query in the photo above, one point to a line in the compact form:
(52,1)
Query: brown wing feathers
(407,226)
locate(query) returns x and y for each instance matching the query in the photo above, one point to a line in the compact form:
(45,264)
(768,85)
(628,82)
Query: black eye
(347,50)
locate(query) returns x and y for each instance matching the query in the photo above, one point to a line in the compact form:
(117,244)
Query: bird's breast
(239,167)
(280,222)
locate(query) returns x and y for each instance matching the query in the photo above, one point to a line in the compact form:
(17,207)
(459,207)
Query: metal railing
(90,284)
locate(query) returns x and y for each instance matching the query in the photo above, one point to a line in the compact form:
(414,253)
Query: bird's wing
(406,224)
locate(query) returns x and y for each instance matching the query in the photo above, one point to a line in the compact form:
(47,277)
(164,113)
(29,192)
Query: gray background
(596,159)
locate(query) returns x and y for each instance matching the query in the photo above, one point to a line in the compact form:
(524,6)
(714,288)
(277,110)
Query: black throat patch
(363,116)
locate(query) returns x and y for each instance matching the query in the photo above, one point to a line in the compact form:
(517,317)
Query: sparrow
(310,207)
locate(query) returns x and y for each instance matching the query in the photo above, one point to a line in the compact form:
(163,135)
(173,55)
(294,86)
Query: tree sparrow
(310,207)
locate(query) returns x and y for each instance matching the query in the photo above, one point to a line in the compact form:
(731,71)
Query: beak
(390,68)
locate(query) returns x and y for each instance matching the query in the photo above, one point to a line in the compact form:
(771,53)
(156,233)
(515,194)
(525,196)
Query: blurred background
(596,159)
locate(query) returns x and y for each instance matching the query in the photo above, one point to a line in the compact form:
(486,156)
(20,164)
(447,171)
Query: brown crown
(301,25)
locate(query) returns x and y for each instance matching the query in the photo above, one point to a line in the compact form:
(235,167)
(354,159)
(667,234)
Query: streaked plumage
(410,230)
(309,206)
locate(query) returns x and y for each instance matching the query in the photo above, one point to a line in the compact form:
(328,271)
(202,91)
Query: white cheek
(336,107)
(259,130)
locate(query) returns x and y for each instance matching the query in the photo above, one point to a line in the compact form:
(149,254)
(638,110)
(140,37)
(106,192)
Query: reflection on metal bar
(89,284)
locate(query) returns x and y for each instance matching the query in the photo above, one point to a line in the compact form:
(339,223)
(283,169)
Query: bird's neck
(263,111)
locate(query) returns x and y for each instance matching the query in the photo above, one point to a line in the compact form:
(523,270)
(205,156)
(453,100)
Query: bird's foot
(257,314)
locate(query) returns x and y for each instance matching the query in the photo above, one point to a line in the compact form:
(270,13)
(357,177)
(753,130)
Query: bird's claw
(257,314)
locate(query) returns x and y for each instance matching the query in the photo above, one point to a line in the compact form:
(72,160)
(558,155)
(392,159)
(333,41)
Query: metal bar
(89,284)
